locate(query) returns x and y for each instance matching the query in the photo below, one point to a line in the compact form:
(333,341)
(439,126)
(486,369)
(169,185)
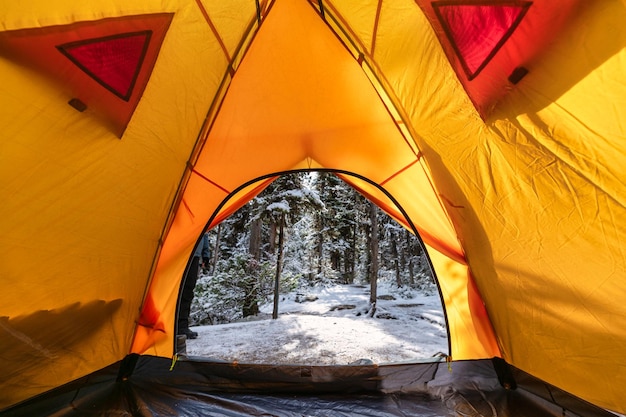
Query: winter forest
(310,246)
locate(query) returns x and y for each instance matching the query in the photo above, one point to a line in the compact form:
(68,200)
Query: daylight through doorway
(317,238)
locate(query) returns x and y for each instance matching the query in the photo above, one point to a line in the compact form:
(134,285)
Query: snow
(282,206)
(331,326)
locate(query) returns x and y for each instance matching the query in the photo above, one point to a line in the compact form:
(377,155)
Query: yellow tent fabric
(510,173)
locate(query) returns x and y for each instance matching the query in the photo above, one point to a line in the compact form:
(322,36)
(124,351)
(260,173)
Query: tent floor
(145,386)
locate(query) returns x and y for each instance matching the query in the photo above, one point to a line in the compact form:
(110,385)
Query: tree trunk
(279,264)
(250,287)
(350,255)
(348,273)
(216,248)
(272,246)
(334,261)
(255,240)
(320,248)
(410,255)
(374,252)
(396,259)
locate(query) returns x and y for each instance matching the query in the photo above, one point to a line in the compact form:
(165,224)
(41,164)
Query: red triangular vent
(113,61)
(478,30)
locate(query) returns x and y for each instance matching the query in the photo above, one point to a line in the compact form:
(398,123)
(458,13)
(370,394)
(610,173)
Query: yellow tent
(496,129)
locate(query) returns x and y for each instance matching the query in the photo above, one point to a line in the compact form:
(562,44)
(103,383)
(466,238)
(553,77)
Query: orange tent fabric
(495,129)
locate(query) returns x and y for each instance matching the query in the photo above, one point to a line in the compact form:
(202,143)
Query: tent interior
(493,130)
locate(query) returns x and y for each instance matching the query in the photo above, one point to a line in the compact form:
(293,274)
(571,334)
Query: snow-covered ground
(331,326)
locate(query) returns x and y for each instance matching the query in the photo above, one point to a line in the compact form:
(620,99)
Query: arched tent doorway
(355,255)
